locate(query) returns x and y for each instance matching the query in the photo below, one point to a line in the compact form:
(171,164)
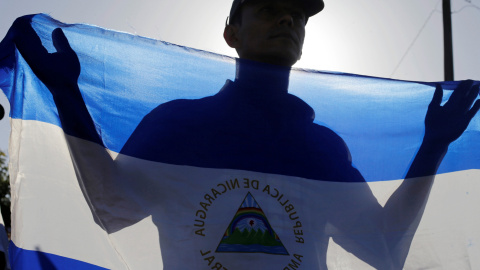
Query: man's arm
(443,125)
(59,72)
(101,182)
(382,236)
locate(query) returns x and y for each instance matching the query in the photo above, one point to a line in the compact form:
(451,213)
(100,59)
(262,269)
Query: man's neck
(262,77)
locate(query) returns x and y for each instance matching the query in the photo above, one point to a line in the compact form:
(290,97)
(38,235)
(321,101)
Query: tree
(4,189)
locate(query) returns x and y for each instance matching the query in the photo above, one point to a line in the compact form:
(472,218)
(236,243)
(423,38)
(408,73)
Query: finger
(473,111)
(7,45)
(437,96)
(459,93)
(28,43)
(472,95)
(60,41)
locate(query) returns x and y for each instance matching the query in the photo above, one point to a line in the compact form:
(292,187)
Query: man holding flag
(253,126)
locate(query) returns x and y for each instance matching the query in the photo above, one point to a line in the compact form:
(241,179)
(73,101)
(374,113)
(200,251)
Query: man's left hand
(444,124)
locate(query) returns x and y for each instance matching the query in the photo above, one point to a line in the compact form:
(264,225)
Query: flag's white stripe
(54,217)
(49,212)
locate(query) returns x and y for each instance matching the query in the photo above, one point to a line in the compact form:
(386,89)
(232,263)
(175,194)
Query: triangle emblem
(250,232)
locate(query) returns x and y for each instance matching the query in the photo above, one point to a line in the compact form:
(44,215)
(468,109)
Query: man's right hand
(59,71)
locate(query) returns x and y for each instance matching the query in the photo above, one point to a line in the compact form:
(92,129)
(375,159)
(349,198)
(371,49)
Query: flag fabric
(188,170)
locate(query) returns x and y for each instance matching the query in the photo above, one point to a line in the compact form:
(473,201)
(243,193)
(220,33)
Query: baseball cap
(311,7)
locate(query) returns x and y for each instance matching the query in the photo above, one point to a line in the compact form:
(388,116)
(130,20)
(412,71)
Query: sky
(399,39)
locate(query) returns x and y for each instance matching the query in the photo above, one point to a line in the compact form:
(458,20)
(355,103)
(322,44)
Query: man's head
(270,31)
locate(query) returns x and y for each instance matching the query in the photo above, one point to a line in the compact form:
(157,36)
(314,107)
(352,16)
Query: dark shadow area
(252,124)
(3,255)
(44,261)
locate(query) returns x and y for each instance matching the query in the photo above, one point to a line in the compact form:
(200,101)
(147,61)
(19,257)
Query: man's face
(270,32)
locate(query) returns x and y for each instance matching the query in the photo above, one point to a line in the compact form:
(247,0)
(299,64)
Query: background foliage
(4,189)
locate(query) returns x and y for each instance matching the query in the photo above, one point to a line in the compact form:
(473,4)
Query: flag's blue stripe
(381,120)
(21,259)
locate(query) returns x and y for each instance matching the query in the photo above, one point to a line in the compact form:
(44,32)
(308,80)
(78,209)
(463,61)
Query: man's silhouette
(251,124)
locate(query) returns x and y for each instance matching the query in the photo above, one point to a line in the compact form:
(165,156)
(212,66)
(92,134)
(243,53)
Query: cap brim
(312,7)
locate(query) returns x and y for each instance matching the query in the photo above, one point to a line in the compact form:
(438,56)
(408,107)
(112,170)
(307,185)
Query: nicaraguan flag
(158,158)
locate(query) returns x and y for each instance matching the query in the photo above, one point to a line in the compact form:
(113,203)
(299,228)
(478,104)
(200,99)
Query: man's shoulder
(182,108)
(168,129)
(328,136)
(327,142)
